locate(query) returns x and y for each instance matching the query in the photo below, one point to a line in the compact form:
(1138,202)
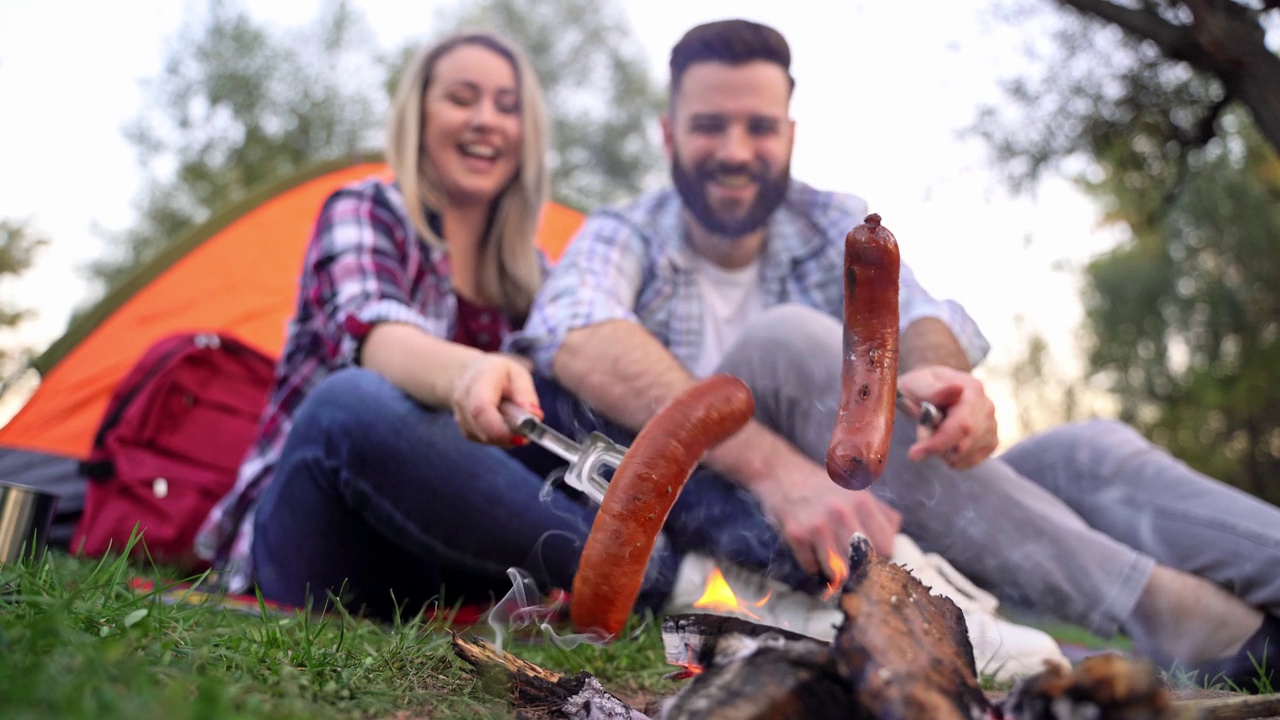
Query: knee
(1079,451)
(794,336)
(792,327)
(343,401)
(1089,435)
(791,351)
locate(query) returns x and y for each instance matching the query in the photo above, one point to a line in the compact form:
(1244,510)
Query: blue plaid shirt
(633,263)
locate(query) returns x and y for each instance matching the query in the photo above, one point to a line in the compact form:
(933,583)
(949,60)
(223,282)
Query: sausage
(869,369)
(640,495)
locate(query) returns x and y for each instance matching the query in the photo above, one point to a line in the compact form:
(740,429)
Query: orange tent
(237,273)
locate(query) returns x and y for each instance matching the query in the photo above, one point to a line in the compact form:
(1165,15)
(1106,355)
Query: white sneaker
(1001,648)
(760,599)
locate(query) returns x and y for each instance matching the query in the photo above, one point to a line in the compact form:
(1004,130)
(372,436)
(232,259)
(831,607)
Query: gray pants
(1069,522)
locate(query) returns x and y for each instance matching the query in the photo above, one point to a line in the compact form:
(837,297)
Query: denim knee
(1091,441)
(1089,453)
(345,400)
(793,342)
(792,329)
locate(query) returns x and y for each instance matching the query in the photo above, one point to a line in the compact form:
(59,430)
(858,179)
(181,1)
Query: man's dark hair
(729,41)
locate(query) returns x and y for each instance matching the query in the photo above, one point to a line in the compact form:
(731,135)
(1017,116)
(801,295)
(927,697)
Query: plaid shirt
(365,265)
(633,263)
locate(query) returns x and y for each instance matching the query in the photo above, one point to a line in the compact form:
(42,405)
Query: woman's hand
(485,382)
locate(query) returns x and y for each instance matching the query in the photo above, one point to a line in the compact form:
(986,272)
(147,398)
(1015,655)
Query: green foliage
(238,105)
(18,246)
(77,642)
(603,102)
(1090,88)
(1180,316)
(1184,315)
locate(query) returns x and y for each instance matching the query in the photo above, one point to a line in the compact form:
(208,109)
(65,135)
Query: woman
(363,483)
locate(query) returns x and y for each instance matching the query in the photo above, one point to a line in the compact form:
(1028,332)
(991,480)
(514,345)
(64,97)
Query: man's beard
(771,191)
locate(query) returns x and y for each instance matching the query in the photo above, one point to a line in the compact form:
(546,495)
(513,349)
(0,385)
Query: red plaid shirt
(365,265)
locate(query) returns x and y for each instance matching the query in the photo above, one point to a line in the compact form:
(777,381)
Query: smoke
(523,609)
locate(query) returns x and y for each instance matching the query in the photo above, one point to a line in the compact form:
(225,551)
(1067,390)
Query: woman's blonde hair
(509,271)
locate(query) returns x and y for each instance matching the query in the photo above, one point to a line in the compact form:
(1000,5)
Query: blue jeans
(1070,522)
(378,497)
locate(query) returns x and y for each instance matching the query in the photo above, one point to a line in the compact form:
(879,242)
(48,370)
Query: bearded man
(739,269)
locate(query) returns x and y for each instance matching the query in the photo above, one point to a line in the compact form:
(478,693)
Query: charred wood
(904,651)
(1103,686)
(540,693)
(793,680)
(699,640)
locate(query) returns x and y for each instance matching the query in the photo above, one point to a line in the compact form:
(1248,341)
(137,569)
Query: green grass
(76,642)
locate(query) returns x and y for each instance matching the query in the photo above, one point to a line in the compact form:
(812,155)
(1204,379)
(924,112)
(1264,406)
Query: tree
(18,246)
(1186,315)
(1220,38)
(237,106)
(1181,314)
(603,102)
(1170,67)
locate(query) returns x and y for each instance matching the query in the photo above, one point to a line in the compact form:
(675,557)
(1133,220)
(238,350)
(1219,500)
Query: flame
(839,573)
(719,597)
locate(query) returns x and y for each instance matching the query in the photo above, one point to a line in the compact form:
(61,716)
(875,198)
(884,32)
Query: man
(739,269)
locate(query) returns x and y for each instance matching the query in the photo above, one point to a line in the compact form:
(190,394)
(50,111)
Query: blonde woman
(383,468)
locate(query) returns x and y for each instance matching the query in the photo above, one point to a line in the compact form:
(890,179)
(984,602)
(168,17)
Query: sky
(884,91)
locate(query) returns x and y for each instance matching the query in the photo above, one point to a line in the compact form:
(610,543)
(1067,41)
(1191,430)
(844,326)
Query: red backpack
(170,444)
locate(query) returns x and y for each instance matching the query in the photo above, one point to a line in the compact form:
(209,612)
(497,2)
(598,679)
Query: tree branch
(1225,39)
(1175,41)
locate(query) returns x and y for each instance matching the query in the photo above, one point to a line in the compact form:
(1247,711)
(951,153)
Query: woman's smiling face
(471,123)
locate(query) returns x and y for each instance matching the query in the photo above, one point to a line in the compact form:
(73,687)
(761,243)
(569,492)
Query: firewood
(1107,686)
(1251,707)
(1118,688)
(536,692)
(696,640)
(904,651)
(770,679)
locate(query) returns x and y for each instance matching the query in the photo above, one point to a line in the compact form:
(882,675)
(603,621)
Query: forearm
(621,370)
(425,367)
(928,341)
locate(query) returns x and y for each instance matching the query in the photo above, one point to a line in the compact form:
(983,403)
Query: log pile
(900,653)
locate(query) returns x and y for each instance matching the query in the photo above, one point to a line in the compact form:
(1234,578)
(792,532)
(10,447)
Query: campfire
(900,652)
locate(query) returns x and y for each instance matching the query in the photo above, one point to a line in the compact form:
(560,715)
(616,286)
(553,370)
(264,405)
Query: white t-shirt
(730,300)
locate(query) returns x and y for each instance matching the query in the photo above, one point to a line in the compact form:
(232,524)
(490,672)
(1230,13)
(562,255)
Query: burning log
(539,693)
(770,678)
(696,641)
(901,653)
(904,652)
(744,670)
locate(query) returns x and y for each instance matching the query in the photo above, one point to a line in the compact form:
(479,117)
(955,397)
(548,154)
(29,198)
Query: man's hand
(967,435)
(817,518)
(484,383)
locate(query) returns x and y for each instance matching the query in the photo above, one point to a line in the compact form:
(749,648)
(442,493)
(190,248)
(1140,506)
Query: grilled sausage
(869,370)
(644,487)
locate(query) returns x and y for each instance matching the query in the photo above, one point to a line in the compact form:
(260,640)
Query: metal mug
(25,514)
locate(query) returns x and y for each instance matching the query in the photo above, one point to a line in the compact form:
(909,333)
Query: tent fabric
(238,273)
